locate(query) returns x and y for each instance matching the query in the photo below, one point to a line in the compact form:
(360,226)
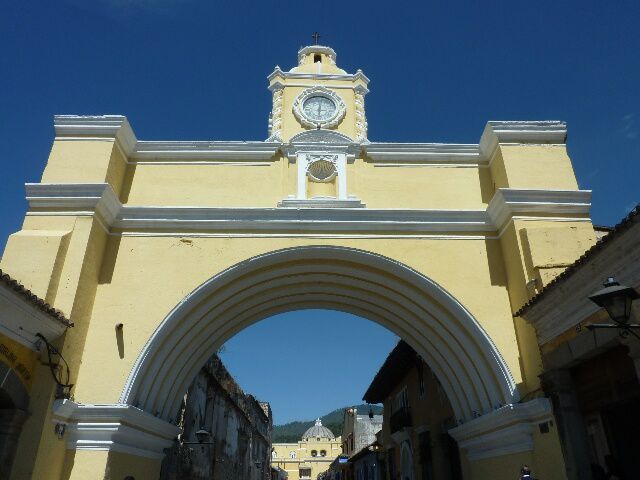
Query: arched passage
(460,353)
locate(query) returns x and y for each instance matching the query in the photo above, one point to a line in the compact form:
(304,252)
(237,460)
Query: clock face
(319,108)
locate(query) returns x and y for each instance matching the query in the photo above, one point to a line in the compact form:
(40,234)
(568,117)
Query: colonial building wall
(239,428)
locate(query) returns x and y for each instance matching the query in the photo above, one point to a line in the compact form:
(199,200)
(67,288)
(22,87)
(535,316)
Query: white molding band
(472,371)
(509,202)
(279,73)
(105,127)
(505,431)
(218,150)
(423,153)
(114,427)
(553,132)
(99,199)
(110,126)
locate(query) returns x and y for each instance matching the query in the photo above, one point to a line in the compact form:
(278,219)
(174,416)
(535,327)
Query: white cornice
(507,430)
(76,127)
(84,199)
(278,73)
(22,321)
(114,427)
(246,151)
(508,202)
(423,153)
(521,132)
(115,126)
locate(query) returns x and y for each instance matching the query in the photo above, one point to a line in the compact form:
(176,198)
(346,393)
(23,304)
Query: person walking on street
(525,473)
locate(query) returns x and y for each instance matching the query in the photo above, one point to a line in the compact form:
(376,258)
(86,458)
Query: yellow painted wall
(423,187)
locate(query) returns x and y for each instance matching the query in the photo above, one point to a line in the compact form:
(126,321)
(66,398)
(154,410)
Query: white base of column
(116,427)
(504,431)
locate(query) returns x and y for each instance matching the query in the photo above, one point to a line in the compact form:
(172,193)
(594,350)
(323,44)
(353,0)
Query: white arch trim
(458,350)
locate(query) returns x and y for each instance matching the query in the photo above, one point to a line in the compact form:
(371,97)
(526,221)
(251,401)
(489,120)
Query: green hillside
(334,421)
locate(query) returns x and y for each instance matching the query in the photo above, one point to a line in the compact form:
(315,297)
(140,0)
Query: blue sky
(315,361)
(186,69)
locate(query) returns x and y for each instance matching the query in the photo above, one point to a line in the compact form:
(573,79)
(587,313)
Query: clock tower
(317,95)
(319,119)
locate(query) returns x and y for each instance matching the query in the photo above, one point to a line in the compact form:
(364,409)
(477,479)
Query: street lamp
(616,299)
(201,435)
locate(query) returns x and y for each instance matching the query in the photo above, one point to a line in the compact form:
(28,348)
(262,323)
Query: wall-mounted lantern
(616,299)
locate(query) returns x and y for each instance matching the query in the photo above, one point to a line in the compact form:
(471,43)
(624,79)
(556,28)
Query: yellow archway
(468,365)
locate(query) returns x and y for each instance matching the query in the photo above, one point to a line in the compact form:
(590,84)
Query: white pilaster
(341,168)
(302,176)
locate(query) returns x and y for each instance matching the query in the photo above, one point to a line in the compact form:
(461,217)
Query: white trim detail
(116,127)
(508,202)
(114,427)
(423,153)
(218,150)
(279,73)
(507,430)
(111,126)
(99,199)
(542,132)
(82,198)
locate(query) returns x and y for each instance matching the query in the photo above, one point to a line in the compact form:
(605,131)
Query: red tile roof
(33,299)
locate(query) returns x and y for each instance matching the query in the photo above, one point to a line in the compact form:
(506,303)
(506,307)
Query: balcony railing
(400,419)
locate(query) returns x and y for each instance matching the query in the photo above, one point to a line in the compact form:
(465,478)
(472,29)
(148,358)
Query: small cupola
(316,57)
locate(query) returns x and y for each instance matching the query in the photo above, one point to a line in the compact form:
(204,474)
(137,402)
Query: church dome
(318,430)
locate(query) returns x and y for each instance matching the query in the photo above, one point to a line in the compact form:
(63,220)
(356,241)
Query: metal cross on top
(316,36)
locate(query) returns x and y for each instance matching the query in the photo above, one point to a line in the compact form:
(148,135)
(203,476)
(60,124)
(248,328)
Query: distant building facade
(310,456)
(417,416)
(359,431)
(227,433)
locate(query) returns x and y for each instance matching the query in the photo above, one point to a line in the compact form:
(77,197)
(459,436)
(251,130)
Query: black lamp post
(616,299)
(201,435)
